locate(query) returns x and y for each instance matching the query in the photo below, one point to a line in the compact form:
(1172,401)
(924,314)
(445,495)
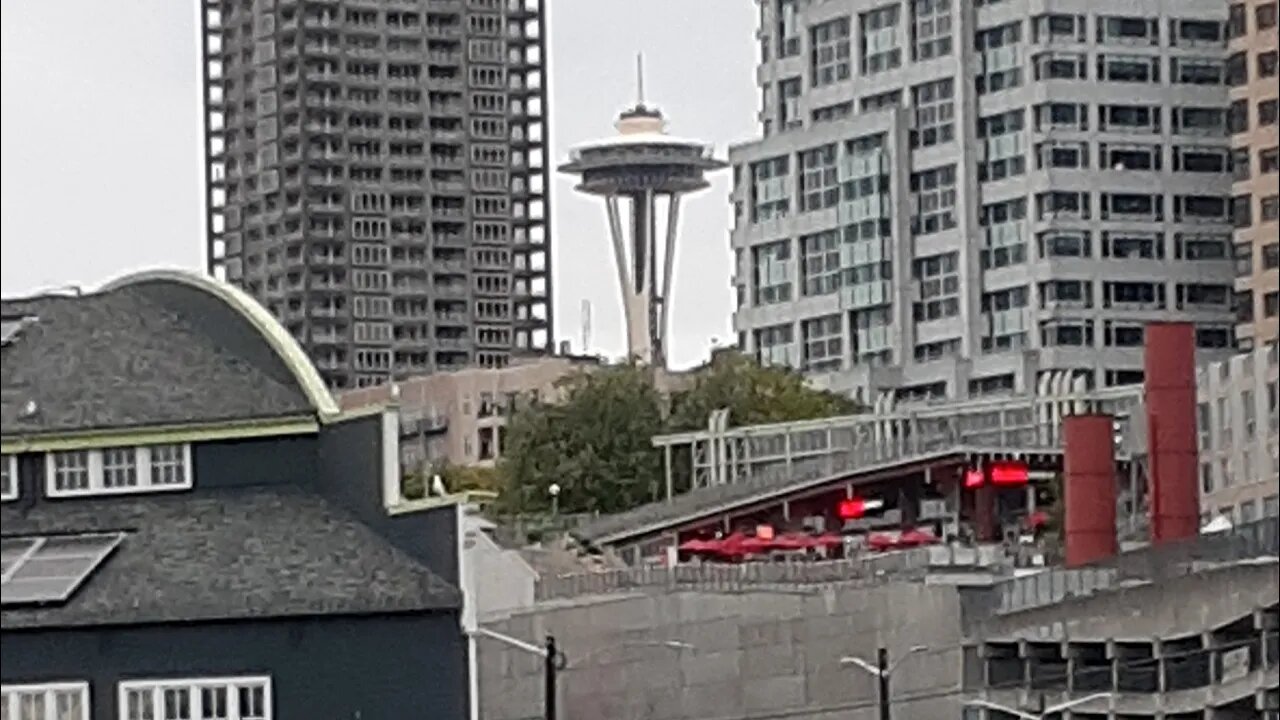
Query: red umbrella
(699,545)
(795,541)
(881,541)
(829,540)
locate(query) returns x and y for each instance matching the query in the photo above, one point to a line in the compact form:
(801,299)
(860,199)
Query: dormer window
(118,470)
(8,477)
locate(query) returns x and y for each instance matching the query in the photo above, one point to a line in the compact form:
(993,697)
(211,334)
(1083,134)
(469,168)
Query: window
(880,51)
(1269,160)
(1268,112)
(8,477)
(819,186)
(939,287)
(820,263)
(935,113)
(1265,16)
(1269,208)
(931,29)
(772,269)
(247,698)
(50,701)
(1267,62)
(823,343)
(1129,68)
(934,197)
(118,470)
(829,57)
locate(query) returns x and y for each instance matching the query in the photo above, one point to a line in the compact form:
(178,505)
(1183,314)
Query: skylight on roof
(45,569)
(10,327)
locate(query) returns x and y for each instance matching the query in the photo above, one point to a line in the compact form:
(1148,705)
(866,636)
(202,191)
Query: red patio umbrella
(881,541)
(916,538)
(699,546)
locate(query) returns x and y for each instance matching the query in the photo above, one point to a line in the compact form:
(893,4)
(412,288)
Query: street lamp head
(554,489)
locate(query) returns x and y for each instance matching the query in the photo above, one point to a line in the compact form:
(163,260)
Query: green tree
(753,393)
(594,444)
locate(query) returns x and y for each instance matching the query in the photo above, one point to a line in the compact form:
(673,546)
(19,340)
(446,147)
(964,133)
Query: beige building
(1254,118)
(1239,427)
(457,417)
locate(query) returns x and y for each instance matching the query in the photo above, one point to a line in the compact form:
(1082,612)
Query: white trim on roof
(284,344)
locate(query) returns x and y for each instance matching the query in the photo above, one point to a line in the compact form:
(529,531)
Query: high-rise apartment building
(1254,121)
(376,177)
(961,198)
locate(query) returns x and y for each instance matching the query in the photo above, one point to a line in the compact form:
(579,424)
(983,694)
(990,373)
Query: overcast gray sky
(101,151)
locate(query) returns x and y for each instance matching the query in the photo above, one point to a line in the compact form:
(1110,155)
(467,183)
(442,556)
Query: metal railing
(713,577)
(1149,564)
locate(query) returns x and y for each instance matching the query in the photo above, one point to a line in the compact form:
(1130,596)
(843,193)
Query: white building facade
(953,199)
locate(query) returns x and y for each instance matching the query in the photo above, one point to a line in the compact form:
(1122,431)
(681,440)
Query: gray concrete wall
(1174,607)
(754,655)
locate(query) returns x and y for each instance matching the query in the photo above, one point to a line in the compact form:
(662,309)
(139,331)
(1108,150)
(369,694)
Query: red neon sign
(1009,473)
(1001,473)
(854,508)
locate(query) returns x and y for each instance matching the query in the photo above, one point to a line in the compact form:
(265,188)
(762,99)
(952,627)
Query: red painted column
(1170,384)
(1089,489)
(986,525)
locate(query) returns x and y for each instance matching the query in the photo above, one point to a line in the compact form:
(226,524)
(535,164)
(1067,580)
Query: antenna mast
(586,327)
(639,79)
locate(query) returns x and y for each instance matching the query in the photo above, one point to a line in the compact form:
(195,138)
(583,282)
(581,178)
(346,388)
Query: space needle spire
(639,173)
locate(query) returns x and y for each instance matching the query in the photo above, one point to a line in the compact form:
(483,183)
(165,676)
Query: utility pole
(882,662)
(551,665)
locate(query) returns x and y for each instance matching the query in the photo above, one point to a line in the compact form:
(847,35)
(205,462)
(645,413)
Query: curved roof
(158,348)
(642,138)
(284,344)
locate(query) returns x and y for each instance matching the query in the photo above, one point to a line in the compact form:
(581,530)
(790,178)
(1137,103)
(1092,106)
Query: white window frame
(9,696)
(9,490)
(143,467)
(194,685)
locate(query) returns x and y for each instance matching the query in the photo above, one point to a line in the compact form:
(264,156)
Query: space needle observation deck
(649,170)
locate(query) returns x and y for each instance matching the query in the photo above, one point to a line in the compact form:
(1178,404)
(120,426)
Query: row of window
(238,698)
(110,471)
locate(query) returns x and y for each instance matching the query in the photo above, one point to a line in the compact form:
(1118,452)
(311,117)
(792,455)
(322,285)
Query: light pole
(554,492)
(1043,712)
(882,670)
(553,661)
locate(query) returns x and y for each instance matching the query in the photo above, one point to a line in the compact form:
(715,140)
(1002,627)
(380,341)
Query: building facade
(1254,121)
(191,529)
(955,199)
(375,177)
(457,418)
(1239,429)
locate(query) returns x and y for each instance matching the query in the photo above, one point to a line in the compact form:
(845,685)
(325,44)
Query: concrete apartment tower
(960,198)
(1254,120)
(376,177)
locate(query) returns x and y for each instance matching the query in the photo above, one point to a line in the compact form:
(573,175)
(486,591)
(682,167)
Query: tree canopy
(594,443)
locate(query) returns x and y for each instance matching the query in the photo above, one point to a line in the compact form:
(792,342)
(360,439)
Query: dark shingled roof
(226,554)
(123,359)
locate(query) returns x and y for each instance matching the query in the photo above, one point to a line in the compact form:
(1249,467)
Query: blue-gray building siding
(387,667)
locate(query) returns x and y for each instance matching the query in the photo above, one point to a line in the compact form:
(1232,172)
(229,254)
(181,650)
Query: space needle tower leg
(631,277)
(668,272)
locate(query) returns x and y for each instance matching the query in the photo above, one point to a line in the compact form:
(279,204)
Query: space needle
(647,168)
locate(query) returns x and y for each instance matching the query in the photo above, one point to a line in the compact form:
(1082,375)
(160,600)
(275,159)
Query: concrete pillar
(1170,385)
(1089,489)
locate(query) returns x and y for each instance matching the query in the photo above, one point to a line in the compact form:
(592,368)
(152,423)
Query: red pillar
(1089,489)
(1170,383)
(986,524)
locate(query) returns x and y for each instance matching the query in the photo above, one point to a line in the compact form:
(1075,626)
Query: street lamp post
(554,661)
(882,670)
(1043,712)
